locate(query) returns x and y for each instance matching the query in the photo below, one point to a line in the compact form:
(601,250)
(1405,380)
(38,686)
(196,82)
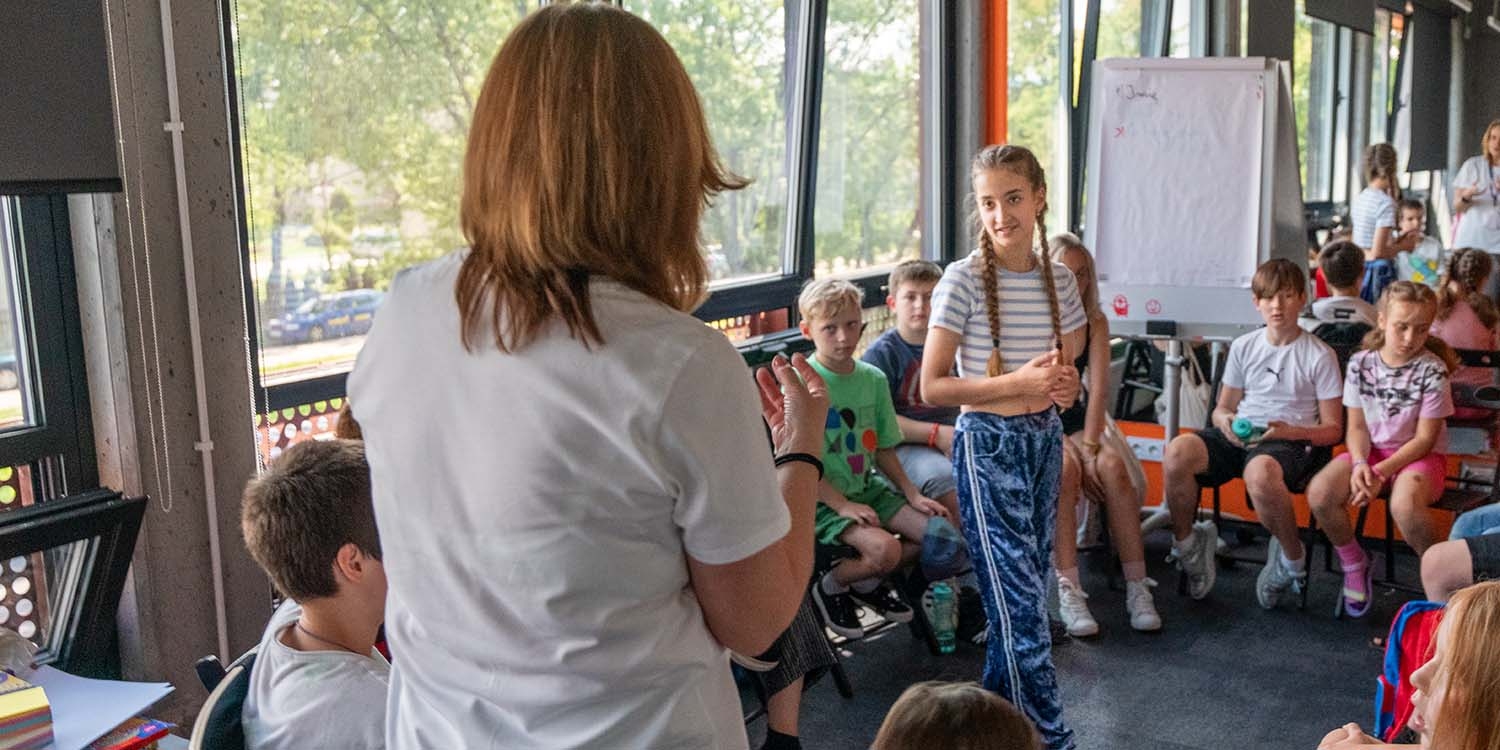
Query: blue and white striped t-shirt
(1025,316)
(1371,210)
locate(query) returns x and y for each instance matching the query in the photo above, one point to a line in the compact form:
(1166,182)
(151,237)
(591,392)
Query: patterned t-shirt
(902,364)
(1395,398)
(860,421)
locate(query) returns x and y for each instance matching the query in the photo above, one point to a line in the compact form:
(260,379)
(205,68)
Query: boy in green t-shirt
(855,507)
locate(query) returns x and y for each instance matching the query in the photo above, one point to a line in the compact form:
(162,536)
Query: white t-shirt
(303,699)
(1025,314)
(1284,382)
(1371,210)
(1479,227)
(1338,309)
(537,511)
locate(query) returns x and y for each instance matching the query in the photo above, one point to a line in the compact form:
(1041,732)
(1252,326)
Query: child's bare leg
(1328,495)
(1266,486)
(1122,510)
(1446,568)
(1410,497)
(1065,546)
(950,501)
(1186,458)
(911,524)
(879,554)
(784,709)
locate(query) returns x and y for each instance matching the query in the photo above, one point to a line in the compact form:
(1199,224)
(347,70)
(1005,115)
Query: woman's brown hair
(1019,161)
(1380,162)
(1467,269)
(1087,293)
(1412,293)
(588,155)
(954,716)
(1469,673)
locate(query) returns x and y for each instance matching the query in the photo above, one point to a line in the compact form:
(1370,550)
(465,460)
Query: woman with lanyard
(1476,200)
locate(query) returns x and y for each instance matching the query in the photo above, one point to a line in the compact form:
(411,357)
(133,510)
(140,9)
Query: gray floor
(1222,673)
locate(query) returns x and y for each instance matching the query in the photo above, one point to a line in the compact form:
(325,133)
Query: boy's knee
(1446,567)
(1263,478)
(887,554)
(1186,454)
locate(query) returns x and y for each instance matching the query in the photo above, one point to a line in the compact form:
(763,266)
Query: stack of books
(25,715)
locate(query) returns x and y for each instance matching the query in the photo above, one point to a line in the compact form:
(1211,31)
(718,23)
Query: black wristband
(806,458)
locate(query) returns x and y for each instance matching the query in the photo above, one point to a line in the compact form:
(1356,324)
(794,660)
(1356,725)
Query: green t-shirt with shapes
(861,419)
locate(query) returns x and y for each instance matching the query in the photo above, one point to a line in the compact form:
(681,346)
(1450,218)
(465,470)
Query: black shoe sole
(852,635)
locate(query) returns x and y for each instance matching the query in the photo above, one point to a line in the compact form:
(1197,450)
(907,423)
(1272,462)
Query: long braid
(1048,281)
(996,364)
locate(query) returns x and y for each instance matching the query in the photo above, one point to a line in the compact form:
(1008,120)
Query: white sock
(1296,565)
(865,586)
(830,585)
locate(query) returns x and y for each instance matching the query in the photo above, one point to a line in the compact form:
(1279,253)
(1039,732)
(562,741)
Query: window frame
(60,446)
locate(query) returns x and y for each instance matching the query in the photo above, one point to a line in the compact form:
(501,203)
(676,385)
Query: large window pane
(1036,115)
(1315,75)
(1119,27)
(1182,29)
(867,211)
(354,120)
(17,408)
(738,57)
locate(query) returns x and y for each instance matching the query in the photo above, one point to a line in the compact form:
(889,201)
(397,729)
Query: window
(1036,112)
(1314,94)
(740,57)
(1181,42)
(353,120)
(17,408)
(1119,27)
(867,211)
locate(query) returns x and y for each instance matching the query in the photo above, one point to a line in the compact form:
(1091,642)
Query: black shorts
(1299,459)
(1485,550)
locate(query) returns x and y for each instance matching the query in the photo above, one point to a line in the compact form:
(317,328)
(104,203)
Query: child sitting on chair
(855,507)
(1283,383)
(1467,319)
(1343,266)
(1397,395)
(1424,262)
(317,680)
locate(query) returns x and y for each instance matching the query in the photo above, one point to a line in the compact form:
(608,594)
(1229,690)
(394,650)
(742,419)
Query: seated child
(1459,562)
(1456,705)
(855,507)
(1089,464)
(926,431)
(1286,383)
(1398,397)
(310,524)
(955,716)
(1466,319)
(1424,262)
(1343,265)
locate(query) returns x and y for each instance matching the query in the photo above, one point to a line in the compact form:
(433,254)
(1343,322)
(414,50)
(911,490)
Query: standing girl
(1396,391)
(1373,214)
(1014,323)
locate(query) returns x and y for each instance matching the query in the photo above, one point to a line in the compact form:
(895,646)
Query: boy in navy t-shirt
(926,430)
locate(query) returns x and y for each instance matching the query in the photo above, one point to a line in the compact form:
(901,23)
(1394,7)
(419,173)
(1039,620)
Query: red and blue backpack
(1412,637)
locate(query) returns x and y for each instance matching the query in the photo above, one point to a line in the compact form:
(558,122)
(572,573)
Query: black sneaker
(838,613)
(885,602)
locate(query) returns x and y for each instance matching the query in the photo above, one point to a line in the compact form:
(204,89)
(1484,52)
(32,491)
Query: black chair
(218,724)
(1344,336)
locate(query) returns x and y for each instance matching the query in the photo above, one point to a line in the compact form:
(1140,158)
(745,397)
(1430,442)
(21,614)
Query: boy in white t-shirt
(317,680)
(1286,383)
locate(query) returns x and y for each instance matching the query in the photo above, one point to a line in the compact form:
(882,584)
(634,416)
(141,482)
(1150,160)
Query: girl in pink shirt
(1397,395)
(1466,319)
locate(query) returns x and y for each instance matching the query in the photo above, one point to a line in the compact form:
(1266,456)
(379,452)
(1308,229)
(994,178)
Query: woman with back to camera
(572,472)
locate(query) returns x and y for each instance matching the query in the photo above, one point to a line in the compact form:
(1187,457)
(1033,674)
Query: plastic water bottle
(944,619)
(1245,430)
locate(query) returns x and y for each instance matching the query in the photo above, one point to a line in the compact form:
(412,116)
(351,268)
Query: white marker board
(1188,188)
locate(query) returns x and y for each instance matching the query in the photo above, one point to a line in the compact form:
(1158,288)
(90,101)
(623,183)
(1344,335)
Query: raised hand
(794,402)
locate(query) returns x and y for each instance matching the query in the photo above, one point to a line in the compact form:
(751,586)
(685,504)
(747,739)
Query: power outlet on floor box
(1145,449)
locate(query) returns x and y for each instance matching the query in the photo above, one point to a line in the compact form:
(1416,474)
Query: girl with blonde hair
(597,518)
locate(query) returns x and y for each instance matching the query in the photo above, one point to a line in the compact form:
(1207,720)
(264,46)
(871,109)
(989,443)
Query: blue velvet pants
(1008,471)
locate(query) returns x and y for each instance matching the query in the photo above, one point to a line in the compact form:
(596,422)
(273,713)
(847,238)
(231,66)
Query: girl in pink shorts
(1397,395)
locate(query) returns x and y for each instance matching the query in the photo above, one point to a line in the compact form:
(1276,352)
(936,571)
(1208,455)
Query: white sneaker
(1073,608)
(1276,578)
(1195,557)
(1141,606)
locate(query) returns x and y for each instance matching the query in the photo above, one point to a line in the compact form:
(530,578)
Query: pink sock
(1351,556)
(1134,571)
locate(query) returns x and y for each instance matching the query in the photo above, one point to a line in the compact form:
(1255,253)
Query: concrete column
(135,299)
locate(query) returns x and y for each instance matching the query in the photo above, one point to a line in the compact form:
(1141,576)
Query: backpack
(1412,638)
(1344,337)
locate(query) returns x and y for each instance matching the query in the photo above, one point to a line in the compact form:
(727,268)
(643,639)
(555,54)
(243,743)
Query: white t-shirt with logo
(537,511)
(303,699)
(1283,383)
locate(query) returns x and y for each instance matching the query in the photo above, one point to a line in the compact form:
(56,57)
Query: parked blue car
(326,316)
